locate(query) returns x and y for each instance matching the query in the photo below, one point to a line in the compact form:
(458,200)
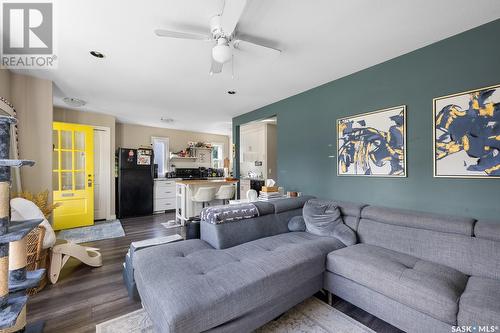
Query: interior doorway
(258,149)
(102,173)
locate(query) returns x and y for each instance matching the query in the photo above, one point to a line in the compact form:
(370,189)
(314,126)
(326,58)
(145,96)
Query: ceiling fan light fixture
(222,52)
(97,54)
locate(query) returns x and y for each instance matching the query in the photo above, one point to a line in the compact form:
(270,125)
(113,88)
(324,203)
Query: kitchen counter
(206,182)
(185,207)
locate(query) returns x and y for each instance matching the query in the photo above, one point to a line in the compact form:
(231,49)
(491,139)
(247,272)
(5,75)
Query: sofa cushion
(297,223)
(190,287)
(420,220)
(428,287)
(264,207)
(345,234)
(487,229)
(283,205)
(351,212)
(480,303)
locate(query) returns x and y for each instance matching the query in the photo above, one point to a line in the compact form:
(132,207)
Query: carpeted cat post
(14,279)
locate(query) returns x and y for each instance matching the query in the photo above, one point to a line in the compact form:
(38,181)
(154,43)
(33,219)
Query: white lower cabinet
(164,195)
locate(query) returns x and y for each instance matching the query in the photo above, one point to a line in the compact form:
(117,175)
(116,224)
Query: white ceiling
(144,77)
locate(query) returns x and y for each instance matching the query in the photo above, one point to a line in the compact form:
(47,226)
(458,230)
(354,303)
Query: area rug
(312,315)
(100,230)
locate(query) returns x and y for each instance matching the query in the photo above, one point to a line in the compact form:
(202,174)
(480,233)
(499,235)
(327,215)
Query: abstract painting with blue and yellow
(467,134)
(373,144)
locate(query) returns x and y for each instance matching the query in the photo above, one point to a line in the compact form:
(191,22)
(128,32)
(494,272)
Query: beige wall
(5,84)
(133,136)
(32,98)
(93,119)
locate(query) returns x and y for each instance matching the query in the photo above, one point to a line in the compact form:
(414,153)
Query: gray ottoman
(189,286)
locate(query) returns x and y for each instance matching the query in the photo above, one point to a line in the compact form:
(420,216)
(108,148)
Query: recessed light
(231,92)
(74,102)
(97,54)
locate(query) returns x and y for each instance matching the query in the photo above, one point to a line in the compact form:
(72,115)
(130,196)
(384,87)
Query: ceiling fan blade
(182,35)
(216,67)
(231,15)
(248,45)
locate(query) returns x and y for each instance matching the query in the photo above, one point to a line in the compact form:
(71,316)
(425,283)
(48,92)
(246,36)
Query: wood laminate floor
(85,296)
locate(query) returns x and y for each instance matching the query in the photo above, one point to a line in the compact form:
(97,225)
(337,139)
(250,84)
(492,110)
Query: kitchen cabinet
(163,195)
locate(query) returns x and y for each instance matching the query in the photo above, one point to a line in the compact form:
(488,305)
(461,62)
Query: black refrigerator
(134,186)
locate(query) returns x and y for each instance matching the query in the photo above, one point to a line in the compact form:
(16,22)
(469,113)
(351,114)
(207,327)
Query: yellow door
(72,175)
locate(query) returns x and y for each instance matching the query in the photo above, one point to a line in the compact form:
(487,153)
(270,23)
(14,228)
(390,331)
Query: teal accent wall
(306,127)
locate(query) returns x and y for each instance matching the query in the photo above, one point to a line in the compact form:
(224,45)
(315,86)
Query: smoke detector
(167,120)
(74,102)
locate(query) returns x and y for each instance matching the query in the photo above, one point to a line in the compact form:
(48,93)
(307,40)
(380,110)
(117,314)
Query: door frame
(106,152)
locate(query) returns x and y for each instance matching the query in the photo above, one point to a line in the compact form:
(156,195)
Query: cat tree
(14,278)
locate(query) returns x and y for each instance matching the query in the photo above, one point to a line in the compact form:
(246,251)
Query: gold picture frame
(445,110)
(386,124)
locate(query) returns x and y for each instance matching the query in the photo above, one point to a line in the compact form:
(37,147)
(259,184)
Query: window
(217,155)
(161,154)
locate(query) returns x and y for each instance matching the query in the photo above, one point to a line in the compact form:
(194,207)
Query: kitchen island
(185,207)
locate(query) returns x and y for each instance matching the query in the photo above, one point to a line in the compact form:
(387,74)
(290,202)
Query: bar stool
(225,193)
(204,195)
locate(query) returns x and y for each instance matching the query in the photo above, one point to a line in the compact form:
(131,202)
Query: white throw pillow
(22,209)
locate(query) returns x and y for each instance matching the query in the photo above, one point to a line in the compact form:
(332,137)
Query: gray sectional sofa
(420,272)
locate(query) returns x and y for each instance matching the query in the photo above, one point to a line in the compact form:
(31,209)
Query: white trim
(106,151)
(221,144)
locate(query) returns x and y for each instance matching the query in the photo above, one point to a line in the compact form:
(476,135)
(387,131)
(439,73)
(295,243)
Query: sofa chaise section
(428,287)
(480,303)
(190,287)
(419,271)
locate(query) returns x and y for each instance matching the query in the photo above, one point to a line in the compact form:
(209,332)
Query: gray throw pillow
(345,234)
(323,218)
(297,223)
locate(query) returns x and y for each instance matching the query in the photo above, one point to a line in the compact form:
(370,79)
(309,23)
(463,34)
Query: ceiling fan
(223,32)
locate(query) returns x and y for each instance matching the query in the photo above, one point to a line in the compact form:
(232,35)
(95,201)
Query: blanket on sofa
(221,214)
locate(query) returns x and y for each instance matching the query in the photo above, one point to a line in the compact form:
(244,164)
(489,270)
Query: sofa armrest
(273,220)
(229,234)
